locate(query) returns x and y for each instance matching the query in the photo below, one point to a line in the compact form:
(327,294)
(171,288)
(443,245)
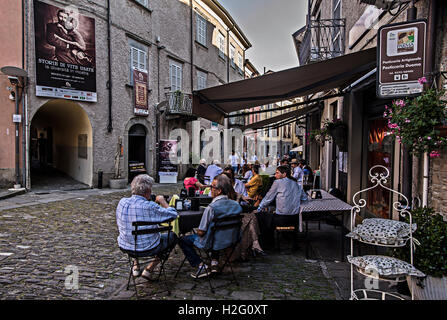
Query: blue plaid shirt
(138,208)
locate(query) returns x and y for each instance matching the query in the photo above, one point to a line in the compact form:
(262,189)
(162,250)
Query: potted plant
(338,131)
(117,182)
(335,130)
(430,256)
(415,122)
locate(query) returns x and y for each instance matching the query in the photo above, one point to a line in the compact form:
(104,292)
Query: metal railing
(179,103)
(236,121)
(323,39)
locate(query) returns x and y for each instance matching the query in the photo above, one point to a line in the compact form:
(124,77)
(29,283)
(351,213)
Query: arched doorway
(137,150)
(61,155)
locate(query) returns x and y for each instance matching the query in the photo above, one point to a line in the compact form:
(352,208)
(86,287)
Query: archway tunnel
(61,154)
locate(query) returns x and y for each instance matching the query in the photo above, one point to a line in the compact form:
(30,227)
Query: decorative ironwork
(321,40)
(179,103)
(379,176)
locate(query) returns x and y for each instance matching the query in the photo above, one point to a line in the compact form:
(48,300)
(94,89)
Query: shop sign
(140,92)
(401,59)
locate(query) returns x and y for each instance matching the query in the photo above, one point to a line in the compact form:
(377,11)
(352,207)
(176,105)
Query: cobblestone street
(43,238)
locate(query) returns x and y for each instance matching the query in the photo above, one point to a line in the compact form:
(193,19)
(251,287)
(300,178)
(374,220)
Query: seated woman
(191,182)
(254,186)
(250,228)
(246,172)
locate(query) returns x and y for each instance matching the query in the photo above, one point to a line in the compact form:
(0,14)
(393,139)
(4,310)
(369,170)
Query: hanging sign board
(140,88)
(401,59)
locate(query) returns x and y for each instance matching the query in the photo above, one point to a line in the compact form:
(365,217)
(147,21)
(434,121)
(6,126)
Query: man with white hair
(139,207)
(201,169)
(212,171)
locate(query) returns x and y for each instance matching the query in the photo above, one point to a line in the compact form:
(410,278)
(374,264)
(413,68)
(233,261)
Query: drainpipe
(407,159)
(24,120)
(429,75)
(109,57)
(192,45)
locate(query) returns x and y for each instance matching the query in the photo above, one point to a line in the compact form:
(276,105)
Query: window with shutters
(239,62)
(201,29)
(175,74)
(221,43)
(138,60)
(201,80)
(232,52)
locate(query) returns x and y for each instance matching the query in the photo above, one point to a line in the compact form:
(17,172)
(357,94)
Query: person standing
(297,170)
(234,161)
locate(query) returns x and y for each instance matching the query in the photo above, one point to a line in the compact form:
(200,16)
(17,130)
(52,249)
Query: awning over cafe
(216,102)
(289,115)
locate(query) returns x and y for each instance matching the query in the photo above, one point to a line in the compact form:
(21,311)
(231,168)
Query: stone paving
(46,238)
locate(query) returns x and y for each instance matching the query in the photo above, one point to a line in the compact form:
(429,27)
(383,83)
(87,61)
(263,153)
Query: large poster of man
(65,53)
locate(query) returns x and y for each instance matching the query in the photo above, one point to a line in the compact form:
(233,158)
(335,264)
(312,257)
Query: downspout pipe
(24,115)
(407,158)
(109,58)
(429,75)
(192,45)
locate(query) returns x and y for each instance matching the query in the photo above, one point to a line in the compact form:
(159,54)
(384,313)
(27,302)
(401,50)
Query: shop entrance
(60,153)
(137,151)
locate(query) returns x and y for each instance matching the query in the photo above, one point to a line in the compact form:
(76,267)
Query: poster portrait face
(65,53)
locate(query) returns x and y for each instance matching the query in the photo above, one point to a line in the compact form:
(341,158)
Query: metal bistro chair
(138,255)
(290,226)
(228,228)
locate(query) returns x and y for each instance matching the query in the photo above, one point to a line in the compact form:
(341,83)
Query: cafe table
(326,207)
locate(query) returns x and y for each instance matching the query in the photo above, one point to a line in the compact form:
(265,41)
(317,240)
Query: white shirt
(234,159)
(254,158)
(298,174)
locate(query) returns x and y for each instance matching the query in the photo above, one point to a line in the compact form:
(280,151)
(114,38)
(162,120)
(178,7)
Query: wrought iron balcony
(236,121)
(179,103)
(320,40)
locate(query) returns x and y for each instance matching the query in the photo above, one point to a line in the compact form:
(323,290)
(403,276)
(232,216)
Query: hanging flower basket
(339,134)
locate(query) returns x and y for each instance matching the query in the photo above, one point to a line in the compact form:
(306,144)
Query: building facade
(173,47)
(337,27)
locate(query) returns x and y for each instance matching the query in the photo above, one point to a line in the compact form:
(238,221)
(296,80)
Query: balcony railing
(179,103)
(323,39)
(236,121)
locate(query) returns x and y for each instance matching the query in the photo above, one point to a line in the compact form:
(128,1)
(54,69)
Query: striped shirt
(138,208)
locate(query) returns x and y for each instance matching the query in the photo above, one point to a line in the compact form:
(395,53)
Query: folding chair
(227,229)
(282,226)
(163,256)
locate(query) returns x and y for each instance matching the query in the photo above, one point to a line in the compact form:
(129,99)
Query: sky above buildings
(268,25)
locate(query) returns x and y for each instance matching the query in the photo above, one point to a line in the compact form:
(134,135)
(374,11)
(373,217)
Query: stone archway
(61,146)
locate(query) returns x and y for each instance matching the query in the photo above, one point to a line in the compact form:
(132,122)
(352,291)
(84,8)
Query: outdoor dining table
(204,200)
(328,206)
(189,219)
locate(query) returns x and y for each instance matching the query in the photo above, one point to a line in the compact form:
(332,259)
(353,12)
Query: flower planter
(118,183)
(339,135)
(431,288)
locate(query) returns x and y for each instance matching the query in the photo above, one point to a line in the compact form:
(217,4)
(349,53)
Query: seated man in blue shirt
(139,207)
(220,206)
(213,170)
(288,194)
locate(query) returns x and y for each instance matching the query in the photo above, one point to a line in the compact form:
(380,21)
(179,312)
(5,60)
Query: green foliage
(412,122)
(431,256)
(325,133)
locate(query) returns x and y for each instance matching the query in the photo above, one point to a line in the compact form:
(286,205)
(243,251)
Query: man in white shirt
(234,161)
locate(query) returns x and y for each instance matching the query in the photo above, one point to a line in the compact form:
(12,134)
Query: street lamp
(16,77)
